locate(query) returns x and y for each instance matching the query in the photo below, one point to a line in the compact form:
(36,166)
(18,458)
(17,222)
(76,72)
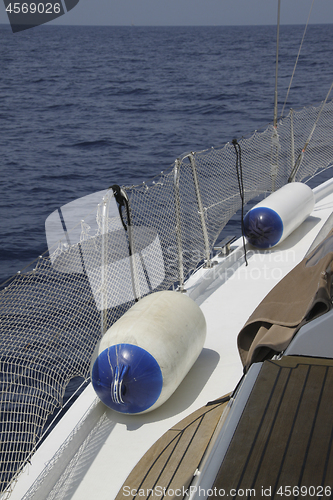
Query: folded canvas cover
(304,294)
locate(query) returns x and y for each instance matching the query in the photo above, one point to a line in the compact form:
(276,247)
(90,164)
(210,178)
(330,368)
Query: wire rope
(299,51)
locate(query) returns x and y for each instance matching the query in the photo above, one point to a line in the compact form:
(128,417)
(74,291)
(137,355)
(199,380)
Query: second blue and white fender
(277,216)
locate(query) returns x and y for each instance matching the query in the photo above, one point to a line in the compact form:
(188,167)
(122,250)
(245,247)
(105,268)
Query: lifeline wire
(299,51)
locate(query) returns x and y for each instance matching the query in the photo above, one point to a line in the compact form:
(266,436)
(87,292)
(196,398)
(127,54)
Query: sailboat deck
(93,449)
(284,436)
(171,462)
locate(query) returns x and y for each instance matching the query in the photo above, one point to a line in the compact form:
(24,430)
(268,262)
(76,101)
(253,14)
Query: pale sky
(191,12)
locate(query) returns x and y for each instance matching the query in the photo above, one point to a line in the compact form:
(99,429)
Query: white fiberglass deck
(93,449)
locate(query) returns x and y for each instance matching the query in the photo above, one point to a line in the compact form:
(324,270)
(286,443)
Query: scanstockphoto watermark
(267,266)
(260,492)
(26,14)
(183,492)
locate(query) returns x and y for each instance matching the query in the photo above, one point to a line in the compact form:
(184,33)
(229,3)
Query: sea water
(82,108)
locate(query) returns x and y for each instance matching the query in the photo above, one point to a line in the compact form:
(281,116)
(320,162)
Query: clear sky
(191,12)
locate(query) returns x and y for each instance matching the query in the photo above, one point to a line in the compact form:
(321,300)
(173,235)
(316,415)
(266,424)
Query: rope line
(299,51)
(239,170)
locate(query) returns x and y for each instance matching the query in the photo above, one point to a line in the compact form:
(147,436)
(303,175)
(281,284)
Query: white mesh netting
(53,316)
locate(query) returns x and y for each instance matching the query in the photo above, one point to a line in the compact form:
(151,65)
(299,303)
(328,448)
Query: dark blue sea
(82,108)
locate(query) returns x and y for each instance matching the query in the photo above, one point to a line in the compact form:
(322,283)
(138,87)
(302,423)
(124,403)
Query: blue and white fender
(144,356)
(273,219)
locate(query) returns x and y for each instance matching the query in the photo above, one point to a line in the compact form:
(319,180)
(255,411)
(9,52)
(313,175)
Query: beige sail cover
(304,294)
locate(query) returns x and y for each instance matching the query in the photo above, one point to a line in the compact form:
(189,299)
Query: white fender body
(143,357)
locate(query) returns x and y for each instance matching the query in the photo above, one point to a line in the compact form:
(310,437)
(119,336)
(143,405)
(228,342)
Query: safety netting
(109,249)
